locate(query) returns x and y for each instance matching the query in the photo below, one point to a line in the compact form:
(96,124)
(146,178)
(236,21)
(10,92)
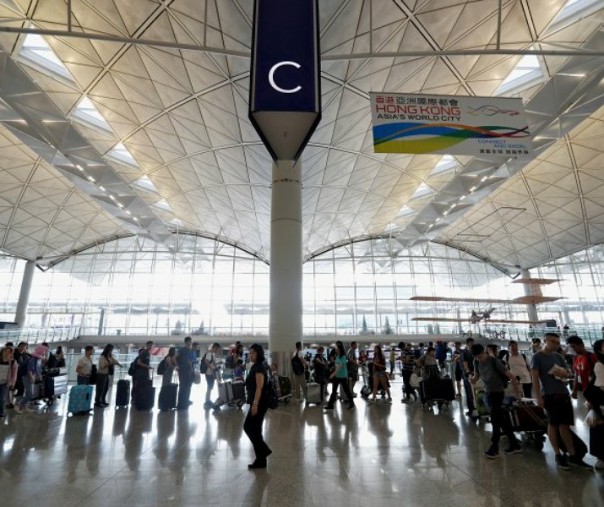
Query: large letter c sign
(271,77)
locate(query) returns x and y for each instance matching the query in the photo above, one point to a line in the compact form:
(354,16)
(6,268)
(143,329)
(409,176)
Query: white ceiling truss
(170,79)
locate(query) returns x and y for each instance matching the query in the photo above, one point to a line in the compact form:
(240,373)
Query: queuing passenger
(171,365)
(185,374)
(84,366)
(211,361)
(51,361)
(458,369)
(12,376)
(106,360)
(535,345)
(596,433)
(60,357)
(583,365)
(467,362)
(429,364)
(8,376)
(353,367)
(491,350)
(21,356)
(492,371)
(549,371)
(379,373)
(257,398)
(239,371)
(441,353)
(299,366)
(33,372)
(408,365)
(143,371)
(321,372)
(392,361)
(518,365)
(340,378)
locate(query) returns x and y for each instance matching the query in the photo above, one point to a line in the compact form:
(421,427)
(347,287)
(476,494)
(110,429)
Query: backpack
(132,368)
(297,365)
(203,366)
(161,367)
(504,379)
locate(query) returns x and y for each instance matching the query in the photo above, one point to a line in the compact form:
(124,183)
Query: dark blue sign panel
(285,96)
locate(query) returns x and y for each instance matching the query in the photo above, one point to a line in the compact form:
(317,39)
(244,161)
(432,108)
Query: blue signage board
(285,93)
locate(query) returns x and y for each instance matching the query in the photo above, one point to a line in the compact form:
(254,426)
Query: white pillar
(285,322)
(28,276)
(528,291)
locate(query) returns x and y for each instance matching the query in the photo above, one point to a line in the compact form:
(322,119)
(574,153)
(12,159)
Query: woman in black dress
(256,385)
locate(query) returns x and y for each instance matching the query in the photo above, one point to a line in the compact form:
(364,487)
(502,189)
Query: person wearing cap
(33,371)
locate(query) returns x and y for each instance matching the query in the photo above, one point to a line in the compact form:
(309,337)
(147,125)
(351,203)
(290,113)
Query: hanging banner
(485,127)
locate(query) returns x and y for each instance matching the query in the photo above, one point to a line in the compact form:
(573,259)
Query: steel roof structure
(122,117)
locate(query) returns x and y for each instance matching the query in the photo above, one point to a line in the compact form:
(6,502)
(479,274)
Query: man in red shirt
(583,364)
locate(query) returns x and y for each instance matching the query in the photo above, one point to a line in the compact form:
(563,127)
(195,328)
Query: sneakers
(513,449)
(389,400)
(492,453)
(599,465)
(18,409)
(579,463)
(562,462)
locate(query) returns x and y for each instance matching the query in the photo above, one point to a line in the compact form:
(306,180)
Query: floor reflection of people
(75,438)
(95,443)
(164,430)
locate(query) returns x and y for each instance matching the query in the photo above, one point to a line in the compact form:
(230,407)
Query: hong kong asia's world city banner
(446,124)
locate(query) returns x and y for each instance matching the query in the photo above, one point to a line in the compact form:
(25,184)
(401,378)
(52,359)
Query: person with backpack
(518,365)
(167,366)
(298,369)
(257,388)
(106,361)
(495,378)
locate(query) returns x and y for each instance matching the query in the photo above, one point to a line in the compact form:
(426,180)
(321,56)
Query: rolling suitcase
(313,394)
(225,393)
(526,418)
(436,389)
(239,393)
(122,395)
(285,389)
(80,399)
(144,395)
(167,397)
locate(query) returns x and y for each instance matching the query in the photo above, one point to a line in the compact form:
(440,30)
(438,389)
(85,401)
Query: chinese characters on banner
(479,126)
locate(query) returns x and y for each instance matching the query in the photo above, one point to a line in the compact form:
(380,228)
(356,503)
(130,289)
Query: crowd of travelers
(547,374)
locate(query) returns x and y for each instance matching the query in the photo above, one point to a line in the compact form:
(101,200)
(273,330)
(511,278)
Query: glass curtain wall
(203,286)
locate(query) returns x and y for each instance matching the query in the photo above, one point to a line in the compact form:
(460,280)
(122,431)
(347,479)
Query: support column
(529,291)
(285,320)
(28,276)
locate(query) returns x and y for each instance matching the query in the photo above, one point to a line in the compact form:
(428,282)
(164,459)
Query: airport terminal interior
(140,201)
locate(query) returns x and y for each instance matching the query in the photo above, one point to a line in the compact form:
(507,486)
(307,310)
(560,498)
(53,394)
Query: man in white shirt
(84,366)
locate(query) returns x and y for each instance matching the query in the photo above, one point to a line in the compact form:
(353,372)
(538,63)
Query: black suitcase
(596,441)
(437,389)
(167,397)
(122,394)
(144,395)
(239,392)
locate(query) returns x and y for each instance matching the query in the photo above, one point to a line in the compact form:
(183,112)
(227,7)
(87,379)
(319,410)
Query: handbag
(414,380)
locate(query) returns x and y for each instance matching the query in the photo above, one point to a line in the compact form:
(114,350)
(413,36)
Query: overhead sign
(480,126)
(285,94)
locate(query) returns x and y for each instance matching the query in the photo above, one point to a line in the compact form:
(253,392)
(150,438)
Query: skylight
(87,112)
(120,153)
(405,211)
(163,205)
(575,9)
(445,164)
(526,72)
(35,50)
(146,184)
(422,191)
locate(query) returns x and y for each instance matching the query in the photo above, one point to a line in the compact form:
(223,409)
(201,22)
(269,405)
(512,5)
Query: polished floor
(380,455)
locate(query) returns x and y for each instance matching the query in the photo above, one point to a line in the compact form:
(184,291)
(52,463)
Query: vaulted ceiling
(170,78)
